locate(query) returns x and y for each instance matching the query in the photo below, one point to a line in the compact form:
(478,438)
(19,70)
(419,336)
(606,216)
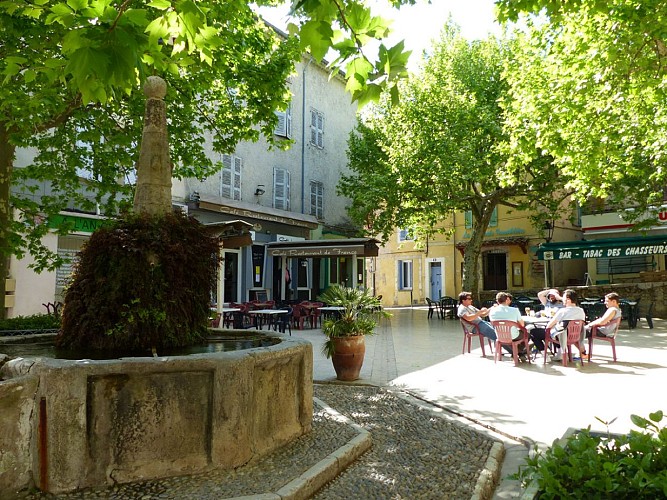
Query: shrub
(142,283)
(34,322)
(632,466)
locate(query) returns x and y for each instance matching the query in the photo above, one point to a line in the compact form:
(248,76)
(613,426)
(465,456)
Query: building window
(281,189)
(284,127)
(405,235)
(230,177)
(405,275)
(317,199)
(316,128)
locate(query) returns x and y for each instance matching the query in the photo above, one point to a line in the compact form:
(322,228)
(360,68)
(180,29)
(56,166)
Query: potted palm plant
(346,331)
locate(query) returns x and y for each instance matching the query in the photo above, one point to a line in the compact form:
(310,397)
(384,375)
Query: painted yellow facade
(406,272)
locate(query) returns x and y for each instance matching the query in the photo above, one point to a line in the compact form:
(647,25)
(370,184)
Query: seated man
(558,323)
(503,310)
(473,315)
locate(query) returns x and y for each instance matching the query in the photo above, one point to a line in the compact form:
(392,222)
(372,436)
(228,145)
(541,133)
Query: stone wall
(77,424)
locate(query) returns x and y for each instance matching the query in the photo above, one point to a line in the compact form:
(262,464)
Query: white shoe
(557,357)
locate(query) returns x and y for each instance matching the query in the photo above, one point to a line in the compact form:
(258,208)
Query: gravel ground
(415,455)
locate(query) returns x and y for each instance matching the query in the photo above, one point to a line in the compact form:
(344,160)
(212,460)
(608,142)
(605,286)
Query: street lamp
(548,230)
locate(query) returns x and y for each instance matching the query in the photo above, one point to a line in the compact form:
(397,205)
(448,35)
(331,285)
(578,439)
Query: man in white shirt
(504,310)
(564,314)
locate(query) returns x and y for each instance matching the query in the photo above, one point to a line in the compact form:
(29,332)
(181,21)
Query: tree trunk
(153,192)
(473,249)
(7,152)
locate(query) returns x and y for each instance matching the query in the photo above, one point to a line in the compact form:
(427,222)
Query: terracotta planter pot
(348,357)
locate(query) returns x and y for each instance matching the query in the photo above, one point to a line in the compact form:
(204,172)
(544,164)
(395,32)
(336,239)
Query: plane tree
(588,88)
(441,151)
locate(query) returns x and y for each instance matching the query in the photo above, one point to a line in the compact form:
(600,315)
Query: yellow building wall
(524,273)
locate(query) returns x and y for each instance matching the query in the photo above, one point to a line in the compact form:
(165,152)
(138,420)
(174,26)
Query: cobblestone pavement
(416,454)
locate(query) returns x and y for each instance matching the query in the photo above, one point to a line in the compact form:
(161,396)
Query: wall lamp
(260,190)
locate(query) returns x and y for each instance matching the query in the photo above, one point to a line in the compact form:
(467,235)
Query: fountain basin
(71,424)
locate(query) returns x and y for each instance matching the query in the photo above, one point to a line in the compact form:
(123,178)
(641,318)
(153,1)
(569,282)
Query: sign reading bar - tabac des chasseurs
(596,253)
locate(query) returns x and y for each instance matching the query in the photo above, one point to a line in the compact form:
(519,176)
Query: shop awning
(603,248)
(361,247)
(234,234)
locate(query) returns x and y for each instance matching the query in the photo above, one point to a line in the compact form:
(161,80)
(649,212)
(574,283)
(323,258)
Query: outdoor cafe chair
(448,306)
(611,338)
(299,316)
(574,327)
(284,321)
(503,328)
(471,330)
(432,306)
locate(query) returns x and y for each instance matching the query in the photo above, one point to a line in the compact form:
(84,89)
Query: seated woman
(603,323)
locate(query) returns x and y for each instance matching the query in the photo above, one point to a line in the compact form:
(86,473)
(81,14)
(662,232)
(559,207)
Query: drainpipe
(303,137)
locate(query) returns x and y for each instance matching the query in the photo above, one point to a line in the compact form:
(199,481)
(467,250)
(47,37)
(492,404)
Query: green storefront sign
(604,248)
(76,223)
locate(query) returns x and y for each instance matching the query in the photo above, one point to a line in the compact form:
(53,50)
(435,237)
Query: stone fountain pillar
(153,190)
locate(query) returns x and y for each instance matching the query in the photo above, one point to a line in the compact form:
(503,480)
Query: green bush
(632,466)
(141,283)
(34,322)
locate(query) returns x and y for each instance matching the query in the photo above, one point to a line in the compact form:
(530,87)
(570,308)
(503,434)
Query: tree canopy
(589,88)
(441,150)
(70,80)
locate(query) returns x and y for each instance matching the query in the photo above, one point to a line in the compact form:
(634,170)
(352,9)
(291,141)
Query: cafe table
(266,315)
(329,311)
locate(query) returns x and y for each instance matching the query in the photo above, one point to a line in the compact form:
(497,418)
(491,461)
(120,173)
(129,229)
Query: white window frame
(317,199)
(230,177)
(317,128)
(284,127)
(405,275)
(281,188)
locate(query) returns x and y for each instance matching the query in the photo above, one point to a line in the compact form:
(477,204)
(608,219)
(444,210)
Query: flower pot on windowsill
(345,343)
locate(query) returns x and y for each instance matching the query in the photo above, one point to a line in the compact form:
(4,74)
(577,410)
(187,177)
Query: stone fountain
(67,425)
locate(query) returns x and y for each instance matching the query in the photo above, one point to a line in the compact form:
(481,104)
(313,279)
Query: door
(435,291)
(495,271)
(231,277)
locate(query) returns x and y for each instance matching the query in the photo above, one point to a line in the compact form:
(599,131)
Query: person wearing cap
(551,300)
(558,323)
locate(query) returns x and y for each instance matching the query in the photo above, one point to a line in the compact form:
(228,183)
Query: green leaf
(160,4)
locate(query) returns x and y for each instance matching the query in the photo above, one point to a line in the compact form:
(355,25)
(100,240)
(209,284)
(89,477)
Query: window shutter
(494,218)
(236,188)
(317,199)
(313,127)
(288,121)
(284,127)
(226,177)
(317,128)
(281,189)
(281,128)
(468,219)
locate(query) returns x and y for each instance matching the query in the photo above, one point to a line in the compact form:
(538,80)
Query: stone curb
(490,475)
(305,486)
